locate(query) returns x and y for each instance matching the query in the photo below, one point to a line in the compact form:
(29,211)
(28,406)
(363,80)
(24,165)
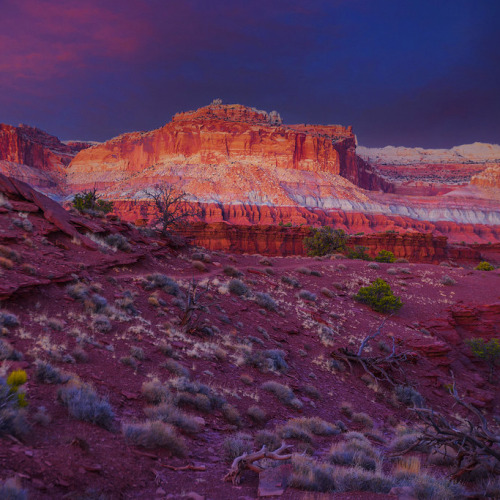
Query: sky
(402,72)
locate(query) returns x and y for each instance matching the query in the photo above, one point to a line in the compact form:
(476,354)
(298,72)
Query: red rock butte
(246,167)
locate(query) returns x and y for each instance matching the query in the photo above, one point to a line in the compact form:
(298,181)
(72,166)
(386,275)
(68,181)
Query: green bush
(325,240)
(358,252)
(484,266)
(487,351)
(89,200)
(385,256)
(379,297)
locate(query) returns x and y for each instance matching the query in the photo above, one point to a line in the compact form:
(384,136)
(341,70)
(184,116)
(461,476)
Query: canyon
(244,167)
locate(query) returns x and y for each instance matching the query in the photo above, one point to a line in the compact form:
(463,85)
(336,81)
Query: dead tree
(193,308)
(381,368)
(246,461)
(171,206)
(475,444)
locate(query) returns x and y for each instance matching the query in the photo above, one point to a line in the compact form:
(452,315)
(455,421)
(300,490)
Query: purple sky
(402,72)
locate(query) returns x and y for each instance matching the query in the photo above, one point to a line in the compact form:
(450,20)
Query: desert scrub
(6,263)
(267,360)
(8,352)
(447,280)
(154,392)
(12,490)
(356,451)
(266,301)
(12,416)
(409,396)
(199,266)
(385,256)
(288,280)
(489,352)
(137,353)
(118,241)
(325,240)
(8,319)
(257,414)
(192,393)
(296,427)
(232,272)
(270,439)
(157,280)
(237,287)
(379,297)
(363,419)
(309,474)
(307,296)
(327,293)
(154,434)
(101,323)
(373,265)
(78,291)
(10,253)
(176,368)
(170,414)
(358,253)
(47,374)
(236,445)
(83,403)
(484,266)
(304,270)
(283,393)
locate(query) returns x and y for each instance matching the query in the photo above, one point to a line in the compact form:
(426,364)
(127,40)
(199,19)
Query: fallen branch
(185,467)
(246,461)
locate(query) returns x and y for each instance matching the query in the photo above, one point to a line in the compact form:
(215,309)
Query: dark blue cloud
(415,73)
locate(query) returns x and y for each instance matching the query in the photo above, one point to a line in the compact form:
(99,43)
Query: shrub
(363,419)
(78,291)
(271,440)
(8,352)
(6,263)
(89,200)
(447,280)
(155,392)
(385,256)
(379,297)
(325,240)
(484,266)
(101,323)
(137,353)
(327,293)
(257,414)
(236,445)
(166,283)
(200,266)
(154,434)
(12,416)
(307,296)
(168,413)
(12,490)
(409,396)
(8,319)
(237,287)
(283,393)
(401,261)
(268,360)
(373,265)
(118,241)
(176,368)
(232,272)
(314,425)
(358,252)
(354,451)
(47,374)
(304,270)
(84,404)
(291,281)
(266,301)
(487,351)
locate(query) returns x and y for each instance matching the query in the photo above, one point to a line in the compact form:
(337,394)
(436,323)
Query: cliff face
(35,157)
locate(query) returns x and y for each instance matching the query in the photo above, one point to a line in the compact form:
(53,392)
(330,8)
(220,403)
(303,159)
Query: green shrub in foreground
(385,256)
(484,266)
(325,240)
(379,297)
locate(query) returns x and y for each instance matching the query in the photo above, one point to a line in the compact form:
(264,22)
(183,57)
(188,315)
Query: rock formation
(244,166)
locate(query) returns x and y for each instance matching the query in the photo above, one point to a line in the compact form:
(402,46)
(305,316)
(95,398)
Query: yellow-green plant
(484,266)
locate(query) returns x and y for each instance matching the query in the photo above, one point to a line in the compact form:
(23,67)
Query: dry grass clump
(199,266)
(154,434)
(47,374)
(257,414)
(12,415)
(327,293)
(29,269)
(236,445)
(192,393)
(170,414)
(364,419)
(118,241)
(129,361)
(266,301)
(176,368)
(155,392)
(311,392)
(356,451)
(307,296)
(101,323)
(447,280)
(392,270)
(78,291)
(409,396)
(291,281)
(8,319)
(158,280)
(267,360)
(80,355)
(237,287)
(83,403)
(6,263)
(232,272)
(401,261)
(304,270)
(309,474)
(231,414)
(283,393)
(346,409)
(8,352)
(405,437)
(303,428)
(271,440)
